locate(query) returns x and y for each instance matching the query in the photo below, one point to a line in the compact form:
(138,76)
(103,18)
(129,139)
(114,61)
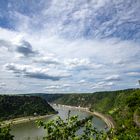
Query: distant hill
(12,106)
(122,105)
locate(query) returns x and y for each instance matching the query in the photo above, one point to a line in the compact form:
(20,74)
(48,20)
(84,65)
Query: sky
(69,46)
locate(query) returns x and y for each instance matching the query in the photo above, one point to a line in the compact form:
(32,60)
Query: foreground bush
(5,133)
(58,129)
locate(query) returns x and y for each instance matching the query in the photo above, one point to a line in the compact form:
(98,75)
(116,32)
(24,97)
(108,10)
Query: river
(29,130)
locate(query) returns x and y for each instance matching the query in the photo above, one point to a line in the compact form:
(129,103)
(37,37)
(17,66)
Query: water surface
(29,130)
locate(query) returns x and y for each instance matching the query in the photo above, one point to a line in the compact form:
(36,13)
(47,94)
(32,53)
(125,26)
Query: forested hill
(102,101)
(12,106)
(122,105)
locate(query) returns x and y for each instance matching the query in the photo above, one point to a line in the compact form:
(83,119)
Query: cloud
(75,19)
(53,87)
(103,84)
(21,46)
(2,85)
(80,59)
(33,72)
(79,19)
(47,60)
(4,43)
(62,86)
(44,76)
(92,60)
(81,64)
(90,40)
(25,49)
(113,78)
(82,81)
(134,74)
(66,85)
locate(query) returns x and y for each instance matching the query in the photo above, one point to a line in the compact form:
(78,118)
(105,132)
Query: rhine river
(30,131)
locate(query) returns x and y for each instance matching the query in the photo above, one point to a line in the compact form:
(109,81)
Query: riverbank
(24,120)
(105,118)
(109,122)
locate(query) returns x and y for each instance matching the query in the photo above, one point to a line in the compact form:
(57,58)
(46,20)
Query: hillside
(122,105)
(21,106)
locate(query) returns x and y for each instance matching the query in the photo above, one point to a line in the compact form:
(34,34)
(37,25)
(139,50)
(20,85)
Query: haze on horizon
(69,46)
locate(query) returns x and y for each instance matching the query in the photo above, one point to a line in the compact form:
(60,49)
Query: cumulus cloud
(22,47)
(25,49)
